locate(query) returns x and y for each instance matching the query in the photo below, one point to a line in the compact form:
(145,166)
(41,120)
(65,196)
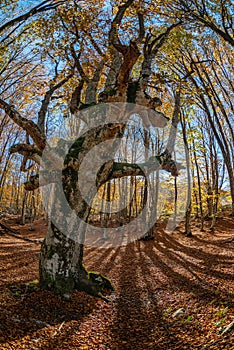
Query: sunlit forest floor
(171,293)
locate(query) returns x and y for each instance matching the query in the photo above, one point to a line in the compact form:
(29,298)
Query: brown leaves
(153,280)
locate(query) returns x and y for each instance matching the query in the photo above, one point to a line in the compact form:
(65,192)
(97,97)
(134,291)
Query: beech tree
(119,72)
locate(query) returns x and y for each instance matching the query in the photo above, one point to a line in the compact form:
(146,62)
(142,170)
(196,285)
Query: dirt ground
(193,276)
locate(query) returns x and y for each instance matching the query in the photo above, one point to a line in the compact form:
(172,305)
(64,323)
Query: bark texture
(61,259)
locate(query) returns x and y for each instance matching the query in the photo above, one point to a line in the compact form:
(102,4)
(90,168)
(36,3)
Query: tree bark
(61,257)
(61,266)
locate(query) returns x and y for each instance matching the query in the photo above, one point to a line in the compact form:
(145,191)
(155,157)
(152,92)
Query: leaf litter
(172,293)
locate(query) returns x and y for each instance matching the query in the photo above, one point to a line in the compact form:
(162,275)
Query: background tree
(96,54)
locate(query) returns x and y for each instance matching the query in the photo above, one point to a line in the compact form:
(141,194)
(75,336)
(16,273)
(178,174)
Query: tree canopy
(58,59)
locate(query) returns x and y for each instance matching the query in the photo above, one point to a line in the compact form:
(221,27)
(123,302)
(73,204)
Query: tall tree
(127,64)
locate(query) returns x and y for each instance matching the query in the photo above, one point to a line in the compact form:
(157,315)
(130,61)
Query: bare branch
(10,33)
(115,170)
(78,64)
(201,15)
(141,28)
(94,43)
(42,7)
(113,34)
(76,95)
(158,42)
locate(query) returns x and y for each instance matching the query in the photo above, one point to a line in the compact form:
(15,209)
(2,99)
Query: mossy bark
(61,267)
(61,258)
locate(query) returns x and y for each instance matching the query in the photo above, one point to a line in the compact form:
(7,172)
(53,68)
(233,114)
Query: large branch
(141,27)
(112,170)
(131,55)
(76,97)
(151,48)
(174,122)
(130,52)
(137,91)
(44,178)
(116,170)
(114,70)
(113,34)
(46,101)
(28,151)
(89,140)
(92,85)
(27,125)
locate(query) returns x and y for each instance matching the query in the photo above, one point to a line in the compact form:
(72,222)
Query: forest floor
(191,276)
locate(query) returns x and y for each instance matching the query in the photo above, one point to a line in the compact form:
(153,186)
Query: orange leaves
(153,280)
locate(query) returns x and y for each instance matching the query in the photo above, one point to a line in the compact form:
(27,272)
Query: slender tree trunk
(215,179)
(219,135)
(32,211)
(199,188)
(23,210)
(188,231)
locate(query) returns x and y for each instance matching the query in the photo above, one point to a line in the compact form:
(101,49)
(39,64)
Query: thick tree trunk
(61,266)
(60,262)
(61,254)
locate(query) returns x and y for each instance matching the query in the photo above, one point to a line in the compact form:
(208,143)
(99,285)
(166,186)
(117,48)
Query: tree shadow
(220,235)
(27,314)
(148,276)
(197,267)
(26,311)
(138,320)
(163,266)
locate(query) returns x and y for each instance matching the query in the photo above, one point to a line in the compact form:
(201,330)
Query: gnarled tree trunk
(61,257)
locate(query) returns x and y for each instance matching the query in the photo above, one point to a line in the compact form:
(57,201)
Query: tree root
(95,284)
